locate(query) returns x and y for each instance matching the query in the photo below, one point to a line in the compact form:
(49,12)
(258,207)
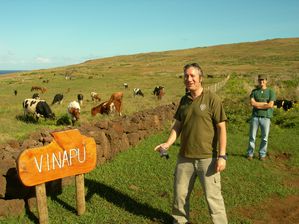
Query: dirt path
(277,210)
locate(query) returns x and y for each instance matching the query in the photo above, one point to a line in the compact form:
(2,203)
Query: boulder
(11,208)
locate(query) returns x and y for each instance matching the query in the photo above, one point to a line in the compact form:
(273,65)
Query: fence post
(216,86)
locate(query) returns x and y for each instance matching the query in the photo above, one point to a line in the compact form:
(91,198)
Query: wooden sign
(69,154)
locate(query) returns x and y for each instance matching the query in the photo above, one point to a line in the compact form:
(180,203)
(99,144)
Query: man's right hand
(160,147)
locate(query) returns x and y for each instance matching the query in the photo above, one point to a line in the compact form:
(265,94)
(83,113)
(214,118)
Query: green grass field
(11,108)
(277,58)
(136,186)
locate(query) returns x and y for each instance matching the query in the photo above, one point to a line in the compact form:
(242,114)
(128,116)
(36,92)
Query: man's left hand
(220,164)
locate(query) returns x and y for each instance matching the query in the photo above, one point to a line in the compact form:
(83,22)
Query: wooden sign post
(69,154)
(80,196)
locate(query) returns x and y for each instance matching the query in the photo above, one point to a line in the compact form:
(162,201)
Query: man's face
(262,83)
(192,79)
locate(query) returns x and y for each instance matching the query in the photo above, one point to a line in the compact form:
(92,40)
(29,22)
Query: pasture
(136,186)
(14,125)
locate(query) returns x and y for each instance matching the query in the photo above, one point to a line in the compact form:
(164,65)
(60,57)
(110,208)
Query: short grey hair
(194,65)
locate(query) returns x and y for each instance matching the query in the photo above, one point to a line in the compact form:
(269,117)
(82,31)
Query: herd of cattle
(40,108)
(37,107)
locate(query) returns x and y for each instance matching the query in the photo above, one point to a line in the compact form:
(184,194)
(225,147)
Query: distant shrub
(238,114)
(290,83)
(286,119)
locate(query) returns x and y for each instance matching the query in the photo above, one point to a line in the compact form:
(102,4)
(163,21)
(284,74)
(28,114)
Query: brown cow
(73,110)
(159,92)
(39,88)
(103,108)
(95,96)
(112,105)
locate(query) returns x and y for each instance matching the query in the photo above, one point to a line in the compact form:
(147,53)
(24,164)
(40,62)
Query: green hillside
(279,58)
(136,186)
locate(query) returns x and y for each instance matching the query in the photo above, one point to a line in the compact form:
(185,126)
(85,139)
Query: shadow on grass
(30,214)
(240,155)
(64,204)
(125,202)
(26,119)
(34,217)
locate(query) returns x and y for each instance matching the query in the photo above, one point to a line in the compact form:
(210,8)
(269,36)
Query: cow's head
(44,109)
(52,116)
(95,110)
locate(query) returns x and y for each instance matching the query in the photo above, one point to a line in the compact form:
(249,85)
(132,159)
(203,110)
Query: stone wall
(111,137)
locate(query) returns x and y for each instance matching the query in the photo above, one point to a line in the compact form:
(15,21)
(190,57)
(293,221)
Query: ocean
(2,72)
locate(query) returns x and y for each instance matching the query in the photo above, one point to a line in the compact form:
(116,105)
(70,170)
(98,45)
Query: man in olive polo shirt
(200,120)
(262,101)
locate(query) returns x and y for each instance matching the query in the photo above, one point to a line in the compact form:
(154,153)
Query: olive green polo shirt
(263,95)
(199,117)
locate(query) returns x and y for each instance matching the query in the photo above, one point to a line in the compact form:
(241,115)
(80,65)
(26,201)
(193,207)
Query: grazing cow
(285,104)
(80,98)
(15,92)
(36,96)
(38,108)
(159,92)
(126,85)
(103,108)
(137,92)
(95,96)
(58,98)
(38,88)
(73,110)
(112,105)
(116,99)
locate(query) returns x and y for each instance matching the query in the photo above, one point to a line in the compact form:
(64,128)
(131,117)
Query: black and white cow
(37,108)
(285,104)
(80,98)
(137,92)
(58,98)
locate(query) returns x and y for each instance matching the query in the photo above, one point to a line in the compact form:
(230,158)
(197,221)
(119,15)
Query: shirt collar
(188,94)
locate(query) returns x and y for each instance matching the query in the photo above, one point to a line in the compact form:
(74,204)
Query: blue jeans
(264,124)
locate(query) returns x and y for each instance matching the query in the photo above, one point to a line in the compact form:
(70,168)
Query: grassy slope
(136,187)
(279,58)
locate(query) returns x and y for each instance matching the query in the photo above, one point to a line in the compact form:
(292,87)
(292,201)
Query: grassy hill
(279,58)
(136,186)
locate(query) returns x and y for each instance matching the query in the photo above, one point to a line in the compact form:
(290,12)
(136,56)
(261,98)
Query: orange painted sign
(70,153)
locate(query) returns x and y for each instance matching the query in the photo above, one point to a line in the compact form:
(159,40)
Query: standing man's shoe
(263,158)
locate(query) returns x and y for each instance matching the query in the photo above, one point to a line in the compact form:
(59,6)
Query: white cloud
(43,60)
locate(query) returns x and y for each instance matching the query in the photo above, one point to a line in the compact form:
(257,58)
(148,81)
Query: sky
(40,34)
